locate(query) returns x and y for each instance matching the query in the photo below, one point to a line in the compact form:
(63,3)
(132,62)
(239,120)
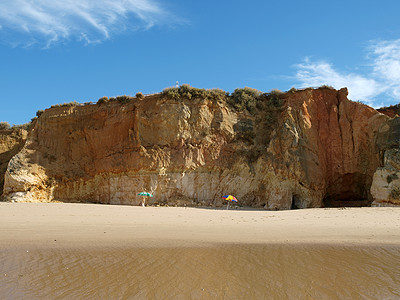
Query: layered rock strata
(309,148)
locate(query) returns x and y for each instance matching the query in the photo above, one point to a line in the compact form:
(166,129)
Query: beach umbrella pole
(227,207)
(143,201)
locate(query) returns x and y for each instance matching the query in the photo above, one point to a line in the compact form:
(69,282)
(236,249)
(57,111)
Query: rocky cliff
(385,187)
(391,111)
(11,142)
(307,148)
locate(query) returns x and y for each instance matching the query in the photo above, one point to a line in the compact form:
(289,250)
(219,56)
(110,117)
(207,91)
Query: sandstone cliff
(308,148)
(11,142)
(385,187)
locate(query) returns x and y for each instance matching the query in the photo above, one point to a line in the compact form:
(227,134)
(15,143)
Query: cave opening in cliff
(348,190)
(296,202)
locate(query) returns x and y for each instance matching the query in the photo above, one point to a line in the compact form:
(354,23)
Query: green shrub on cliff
(66,104)
(171,93)
(189,92)
(4,125)
(393,108)
(325,86)
(275,97)
(102,100)
(39,112)
(7,126)
(22,126)
(217,94)
(124,99)
(121,99)
(271,102)
(245,98)
(241,99)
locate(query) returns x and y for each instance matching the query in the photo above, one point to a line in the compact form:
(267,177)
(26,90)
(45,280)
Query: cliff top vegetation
(240,99)
(7,126)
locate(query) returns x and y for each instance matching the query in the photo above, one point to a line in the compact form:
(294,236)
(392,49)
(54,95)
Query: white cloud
(383,80)
(51,21)
(319,73)
(386,64)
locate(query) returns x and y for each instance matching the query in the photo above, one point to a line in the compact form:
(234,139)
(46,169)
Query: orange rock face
(311,148)
(339,143)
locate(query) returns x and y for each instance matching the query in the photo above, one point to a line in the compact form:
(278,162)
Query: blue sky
(54,51)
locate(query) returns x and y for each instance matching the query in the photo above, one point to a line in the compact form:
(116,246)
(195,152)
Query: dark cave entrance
(334,201)
(296,202)
(349,190)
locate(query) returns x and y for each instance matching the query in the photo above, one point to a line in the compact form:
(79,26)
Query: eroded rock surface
(385,187)
(310,148)
(11,142)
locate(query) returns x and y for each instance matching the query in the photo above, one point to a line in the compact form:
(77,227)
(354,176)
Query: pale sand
(85,251)
(102,225)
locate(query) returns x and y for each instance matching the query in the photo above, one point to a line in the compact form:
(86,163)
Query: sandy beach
(106,225)
(86,251)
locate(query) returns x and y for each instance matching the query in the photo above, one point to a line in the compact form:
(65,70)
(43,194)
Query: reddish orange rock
(309,148)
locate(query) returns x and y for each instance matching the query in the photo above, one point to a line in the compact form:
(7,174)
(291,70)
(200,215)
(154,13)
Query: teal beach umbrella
(144,195)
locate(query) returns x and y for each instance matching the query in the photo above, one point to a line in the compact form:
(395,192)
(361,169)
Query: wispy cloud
(318,73)
(383,78)
(386,65)
(51,21)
